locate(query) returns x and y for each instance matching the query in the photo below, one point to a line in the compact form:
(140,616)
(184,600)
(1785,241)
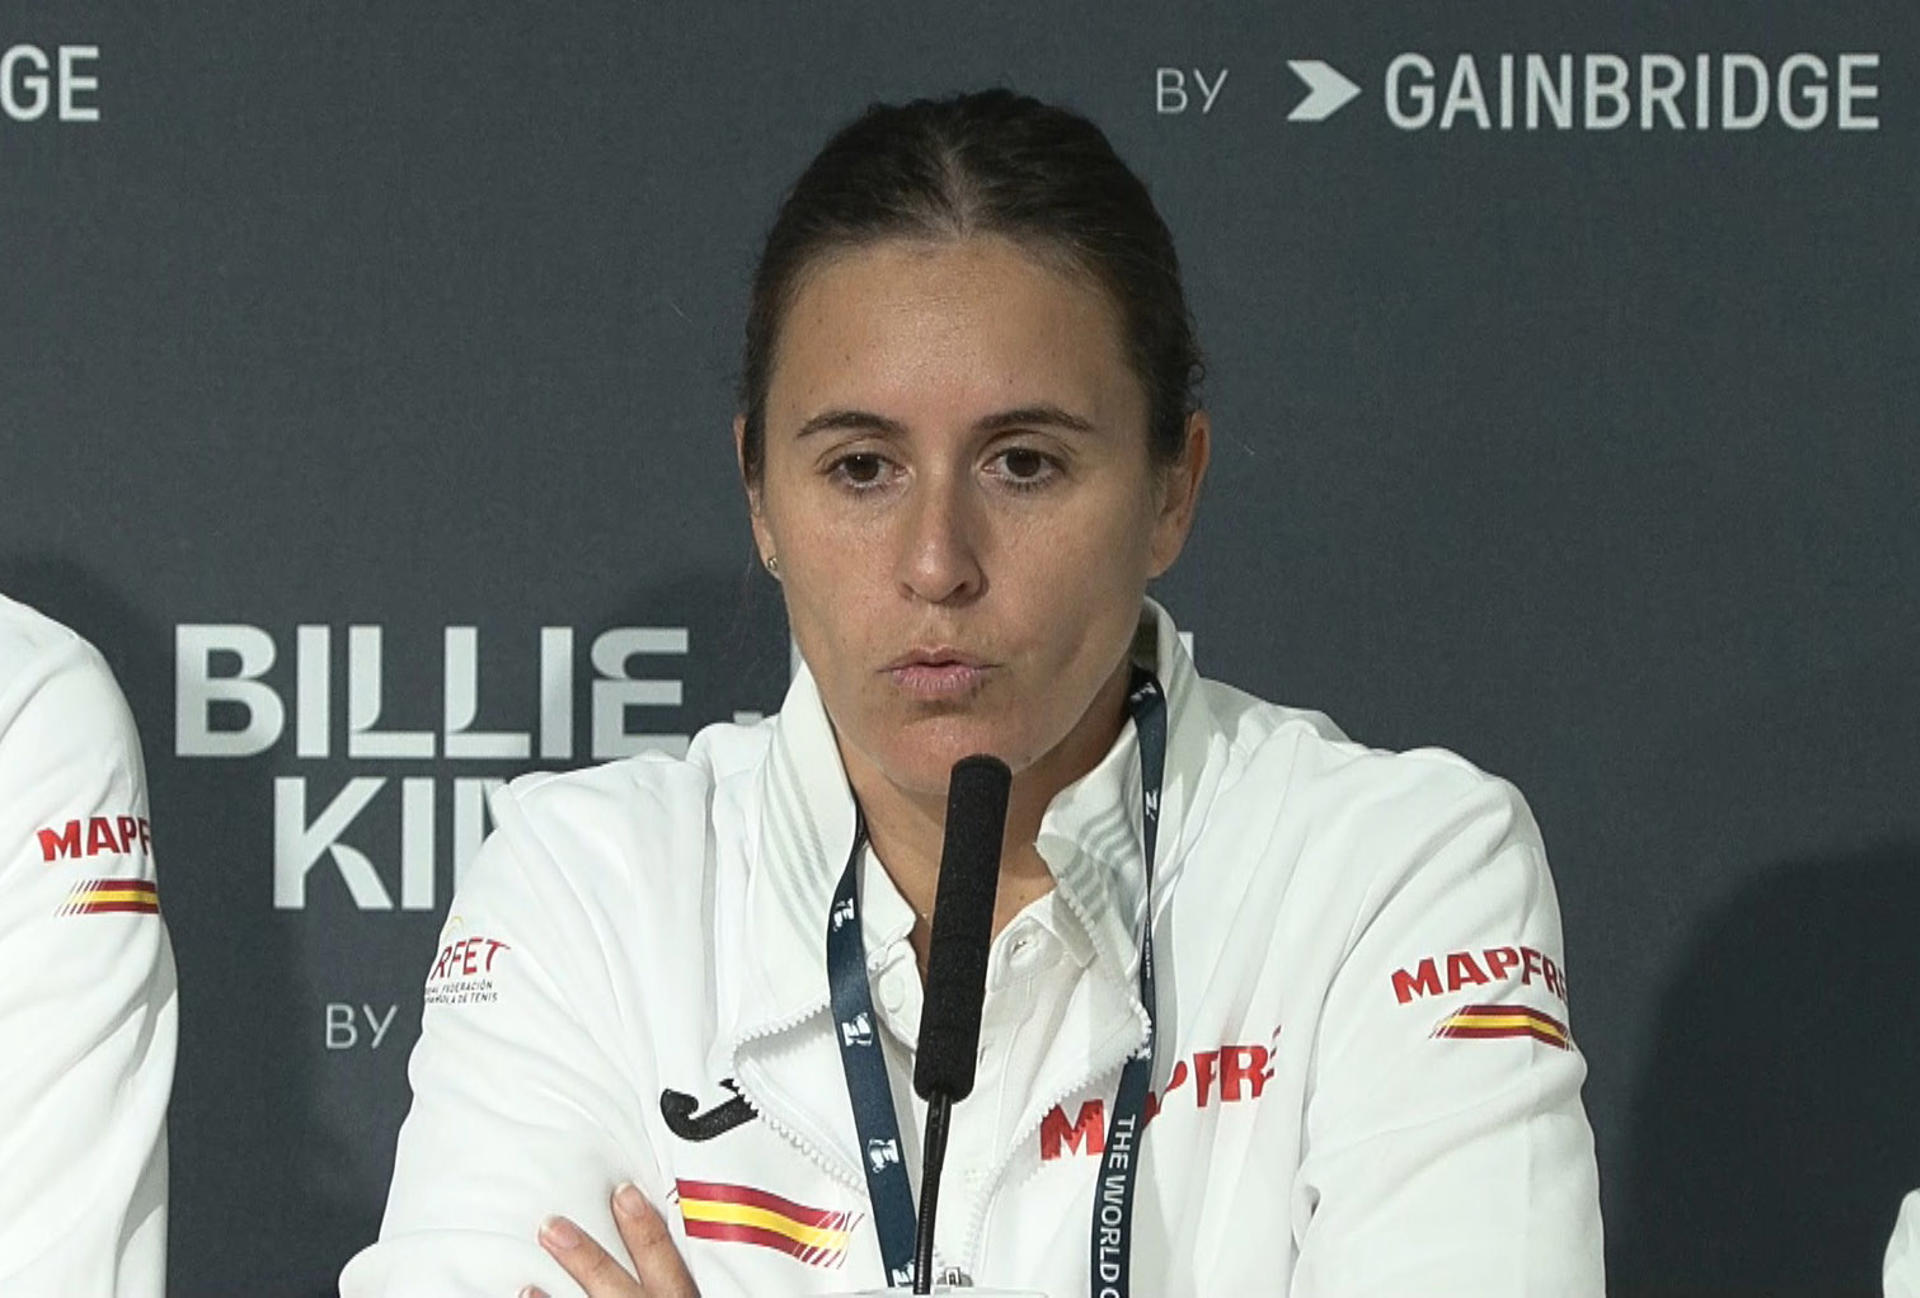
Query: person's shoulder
(73,794)
(1366,815)
(53,680)
(1421,848)
(1900,1272)
(648,815)
(648,782)
(611,865)
(26,632)
(1307,752)
(34,647)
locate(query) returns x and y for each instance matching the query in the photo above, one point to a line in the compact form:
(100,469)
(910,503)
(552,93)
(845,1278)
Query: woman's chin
(923,763)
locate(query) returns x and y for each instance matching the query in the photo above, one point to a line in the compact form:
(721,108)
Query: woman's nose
(940,550)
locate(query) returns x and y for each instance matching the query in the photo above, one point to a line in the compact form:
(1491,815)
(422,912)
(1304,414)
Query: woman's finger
(662,1272)
(591,1266)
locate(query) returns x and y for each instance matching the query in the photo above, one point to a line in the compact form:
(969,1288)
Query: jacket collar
(1089,837)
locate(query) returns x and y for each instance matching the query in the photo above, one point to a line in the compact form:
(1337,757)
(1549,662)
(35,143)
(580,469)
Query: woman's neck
(907,829)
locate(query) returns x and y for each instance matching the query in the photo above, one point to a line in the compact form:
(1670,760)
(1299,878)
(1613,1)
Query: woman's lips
(937,680)
(938,674)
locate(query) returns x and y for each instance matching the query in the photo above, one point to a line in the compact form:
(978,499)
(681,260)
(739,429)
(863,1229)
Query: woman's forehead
(930,322)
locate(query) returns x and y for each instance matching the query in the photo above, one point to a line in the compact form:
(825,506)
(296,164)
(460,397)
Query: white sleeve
(1447,1152)
(87,998)
(521,1107)
(1901,1275)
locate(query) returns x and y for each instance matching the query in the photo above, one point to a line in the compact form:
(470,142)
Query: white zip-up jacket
(1900,1273)
(1365,1083)
(87,1003)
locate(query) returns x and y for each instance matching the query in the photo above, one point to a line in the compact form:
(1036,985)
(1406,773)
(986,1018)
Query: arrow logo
(1327,91)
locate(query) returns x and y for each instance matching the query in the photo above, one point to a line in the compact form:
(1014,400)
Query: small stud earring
(773,566)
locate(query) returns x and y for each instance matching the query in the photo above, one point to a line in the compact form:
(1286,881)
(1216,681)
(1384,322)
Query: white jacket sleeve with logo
(530,1091)
(87,1000)
(1367,1085)
(1446,1150)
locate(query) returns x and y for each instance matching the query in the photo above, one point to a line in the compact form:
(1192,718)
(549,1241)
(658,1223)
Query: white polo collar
(1089,837)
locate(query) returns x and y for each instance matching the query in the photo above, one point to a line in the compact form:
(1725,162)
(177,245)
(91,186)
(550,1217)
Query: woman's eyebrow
(856,420)
(1044,415)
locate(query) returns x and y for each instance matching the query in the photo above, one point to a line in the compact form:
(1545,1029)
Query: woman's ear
(1180,494)
(753,483)
(740,462)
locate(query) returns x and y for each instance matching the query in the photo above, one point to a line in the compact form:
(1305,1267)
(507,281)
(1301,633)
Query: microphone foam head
(977,794)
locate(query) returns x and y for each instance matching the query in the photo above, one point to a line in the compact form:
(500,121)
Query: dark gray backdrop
(1585,452)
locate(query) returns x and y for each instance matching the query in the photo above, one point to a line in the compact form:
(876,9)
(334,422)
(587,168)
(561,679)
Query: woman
(89,1003)
(969,440)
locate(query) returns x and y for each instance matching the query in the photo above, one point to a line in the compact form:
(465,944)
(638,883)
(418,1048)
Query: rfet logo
(1495,964)
(466,957)
(462,973)
(96,836)
(1226,1076)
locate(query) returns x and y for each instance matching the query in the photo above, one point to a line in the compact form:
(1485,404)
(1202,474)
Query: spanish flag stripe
(1483,1022)
(1501,1009)
(131,885)
(1498,1021)
(113,907)
(718,1192)
(1505,1021)
(744,1214)
(1508,1012)
(1483,1030)
(114,894)
(744,1234)
(1483,1034)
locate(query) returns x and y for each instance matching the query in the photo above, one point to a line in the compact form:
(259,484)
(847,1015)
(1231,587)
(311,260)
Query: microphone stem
(939,1109)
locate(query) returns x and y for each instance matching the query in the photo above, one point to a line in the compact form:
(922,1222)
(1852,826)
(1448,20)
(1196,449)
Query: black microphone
(957,970)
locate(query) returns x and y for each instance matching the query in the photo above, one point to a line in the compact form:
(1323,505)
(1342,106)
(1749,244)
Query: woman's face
(957,487)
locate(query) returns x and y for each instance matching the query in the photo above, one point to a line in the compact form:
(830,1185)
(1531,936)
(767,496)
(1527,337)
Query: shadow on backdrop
(246,1213)
(1778,1123)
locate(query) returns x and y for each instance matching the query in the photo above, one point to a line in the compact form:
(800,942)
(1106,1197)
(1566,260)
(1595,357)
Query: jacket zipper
(978,1218)
(825,1161)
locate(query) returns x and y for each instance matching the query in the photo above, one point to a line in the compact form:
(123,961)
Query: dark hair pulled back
(989,162)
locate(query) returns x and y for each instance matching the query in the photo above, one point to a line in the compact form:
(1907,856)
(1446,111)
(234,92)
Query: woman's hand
(655,1260)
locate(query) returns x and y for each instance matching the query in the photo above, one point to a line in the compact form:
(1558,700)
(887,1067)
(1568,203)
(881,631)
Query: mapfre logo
(76,840)
(1495,965)
(61,84)
(1228,1075)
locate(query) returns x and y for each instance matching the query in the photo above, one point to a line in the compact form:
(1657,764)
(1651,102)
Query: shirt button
(893,990)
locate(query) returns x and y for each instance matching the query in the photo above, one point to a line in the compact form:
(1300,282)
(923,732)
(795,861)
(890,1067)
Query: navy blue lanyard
(874,1120)
(858,1033)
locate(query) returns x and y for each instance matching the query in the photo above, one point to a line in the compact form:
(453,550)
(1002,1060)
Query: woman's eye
(1024,467)
(859,470)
